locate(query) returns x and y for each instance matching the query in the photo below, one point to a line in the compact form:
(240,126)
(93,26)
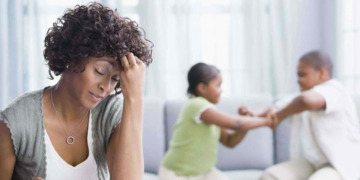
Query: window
(221,33)
(348,51)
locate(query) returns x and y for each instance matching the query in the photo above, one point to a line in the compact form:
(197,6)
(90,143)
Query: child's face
(212,90)
(308,77)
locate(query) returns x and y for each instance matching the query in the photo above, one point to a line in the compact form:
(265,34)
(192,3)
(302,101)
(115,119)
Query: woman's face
(96,82)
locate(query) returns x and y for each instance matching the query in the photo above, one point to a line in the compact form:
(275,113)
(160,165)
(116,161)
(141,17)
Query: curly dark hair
(93,31)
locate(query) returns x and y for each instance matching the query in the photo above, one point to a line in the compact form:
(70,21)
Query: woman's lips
(95,97)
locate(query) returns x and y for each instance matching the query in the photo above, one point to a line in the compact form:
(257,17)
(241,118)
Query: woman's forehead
(110,60)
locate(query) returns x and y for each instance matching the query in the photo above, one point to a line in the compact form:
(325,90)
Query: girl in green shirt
(199,128)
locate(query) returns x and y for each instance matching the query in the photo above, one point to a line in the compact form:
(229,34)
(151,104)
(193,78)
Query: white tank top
(58,169)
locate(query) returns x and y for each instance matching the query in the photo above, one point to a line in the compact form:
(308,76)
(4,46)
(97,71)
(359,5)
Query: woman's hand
(38,178)
(132,77)
(125,150)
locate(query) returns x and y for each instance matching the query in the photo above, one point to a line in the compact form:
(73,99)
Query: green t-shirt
(193,148)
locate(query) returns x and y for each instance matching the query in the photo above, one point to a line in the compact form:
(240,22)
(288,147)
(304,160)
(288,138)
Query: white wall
(316,29)
(328,28)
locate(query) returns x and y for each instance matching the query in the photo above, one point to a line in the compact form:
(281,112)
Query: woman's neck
(66,105)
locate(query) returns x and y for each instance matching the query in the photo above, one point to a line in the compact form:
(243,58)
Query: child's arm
(231,139)
(309,100)
(214,116)
(245,111)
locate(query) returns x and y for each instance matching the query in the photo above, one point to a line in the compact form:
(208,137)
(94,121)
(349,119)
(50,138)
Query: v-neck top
(58,169)
(25,119)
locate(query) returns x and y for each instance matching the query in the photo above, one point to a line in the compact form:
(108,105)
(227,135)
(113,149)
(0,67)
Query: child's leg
(298,169)
(215,174)
(327,172)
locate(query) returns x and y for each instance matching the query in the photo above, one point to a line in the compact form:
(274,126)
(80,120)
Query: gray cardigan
(24,117)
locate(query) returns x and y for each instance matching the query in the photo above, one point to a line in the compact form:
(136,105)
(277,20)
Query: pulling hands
(245,111)
(272,119)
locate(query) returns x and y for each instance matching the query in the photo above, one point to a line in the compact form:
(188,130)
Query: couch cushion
(254,152)
(172,111)
(282,139)
(149,176)
(244,174)
(282,135)
(154,135)
(232,175)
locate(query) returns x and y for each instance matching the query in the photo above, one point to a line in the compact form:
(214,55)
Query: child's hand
(132,77)
(244,111)
(274,120)
(269,120)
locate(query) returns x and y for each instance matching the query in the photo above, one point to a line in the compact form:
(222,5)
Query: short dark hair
(200,73)
(318,59)
(93,30)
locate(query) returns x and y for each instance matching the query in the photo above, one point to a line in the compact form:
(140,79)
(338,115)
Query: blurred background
(255,43)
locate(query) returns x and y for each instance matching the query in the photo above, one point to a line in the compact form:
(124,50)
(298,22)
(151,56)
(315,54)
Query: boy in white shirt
(325,131)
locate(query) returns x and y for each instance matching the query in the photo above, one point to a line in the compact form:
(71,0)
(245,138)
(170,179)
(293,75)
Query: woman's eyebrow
(111,62)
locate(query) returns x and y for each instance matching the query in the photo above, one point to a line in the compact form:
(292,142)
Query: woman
(77,129)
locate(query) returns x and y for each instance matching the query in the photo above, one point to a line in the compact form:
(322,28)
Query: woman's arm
(7,153)
(231,139)
(238,123)
(125,154)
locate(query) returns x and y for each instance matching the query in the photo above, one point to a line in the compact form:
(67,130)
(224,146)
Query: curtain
(252,42)
(19,49)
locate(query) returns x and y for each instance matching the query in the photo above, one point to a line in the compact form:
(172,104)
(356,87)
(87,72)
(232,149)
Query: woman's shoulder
(25,102)
(109,109)
(111,102)
(23,117)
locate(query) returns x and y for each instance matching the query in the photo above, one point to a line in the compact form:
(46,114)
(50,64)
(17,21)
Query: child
(193,149)
(325,137)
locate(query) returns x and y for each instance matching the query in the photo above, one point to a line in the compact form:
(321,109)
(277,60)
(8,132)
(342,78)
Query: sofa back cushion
(154,134)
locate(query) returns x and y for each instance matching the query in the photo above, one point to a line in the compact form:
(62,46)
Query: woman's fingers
(125,62)
(138,61)
(131,59)
(133,77)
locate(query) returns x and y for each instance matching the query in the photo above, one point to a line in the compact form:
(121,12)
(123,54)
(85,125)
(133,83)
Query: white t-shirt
(302,141)
(58,169)
(328,136)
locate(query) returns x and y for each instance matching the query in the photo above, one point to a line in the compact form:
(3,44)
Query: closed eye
(99,72)
(117,80)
